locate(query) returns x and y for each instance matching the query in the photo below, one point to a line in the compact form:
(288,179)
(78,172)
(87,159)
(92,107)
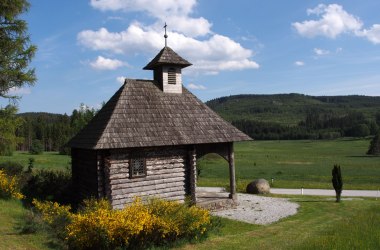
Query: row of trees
(52,131)
(316,125)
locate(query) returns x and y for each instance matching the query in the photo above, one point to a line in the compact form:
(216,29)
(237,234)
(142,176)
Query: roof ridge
(167,56)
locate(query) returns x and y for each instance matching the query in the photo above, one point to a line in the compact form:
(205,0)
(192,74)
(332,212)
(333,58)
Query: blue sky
(236,47)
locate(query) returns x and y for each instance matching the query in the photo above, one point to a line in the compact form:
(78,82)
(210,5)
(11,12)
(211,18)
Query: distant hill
(312,116)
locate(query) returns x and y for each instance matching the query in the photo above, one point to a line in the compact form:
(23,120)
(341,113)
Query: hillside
(302,114)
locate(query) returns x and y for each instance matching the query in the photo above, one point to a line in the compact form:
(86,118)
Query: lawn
(296,164)
(11,218)
(320,224)
(47,160)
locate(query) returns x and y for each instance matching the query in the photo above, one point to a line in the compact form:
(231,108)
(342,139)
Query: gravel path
(259,210)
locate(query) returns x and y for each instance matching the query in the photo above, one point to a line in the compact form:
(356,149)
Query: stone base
(218,204)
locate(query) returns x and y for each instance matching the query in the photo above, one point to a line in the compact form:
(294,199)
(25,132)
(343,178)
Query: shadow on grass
(362,156)
(304,201)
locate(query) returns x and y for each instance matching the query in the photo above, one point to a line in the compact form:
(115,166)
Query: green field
(47,160)
(296,164)
(320,224)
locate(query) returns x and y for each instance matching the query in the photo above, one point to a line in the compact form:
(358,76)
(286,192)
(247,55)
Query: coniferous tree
(9,124)
(16,51)
(337,181)
(374,147)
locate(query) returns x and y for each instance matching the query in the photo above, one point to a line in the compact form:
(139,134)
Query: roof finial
(166,36)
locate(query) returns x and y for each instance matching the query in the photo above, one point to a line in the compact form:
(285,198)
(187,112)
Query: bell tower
(167,67)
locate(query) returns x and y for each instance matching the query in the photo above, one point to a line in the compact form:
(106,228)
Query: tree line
(316,125)
(49,131)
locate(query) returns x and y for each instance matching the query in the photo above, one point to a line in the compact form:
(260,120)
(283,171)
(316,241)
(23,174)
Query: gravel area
(259,210)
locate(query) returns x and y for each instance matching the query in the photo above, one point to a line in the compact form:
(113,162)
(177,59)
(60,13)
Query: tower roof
(167,57)
(139,114)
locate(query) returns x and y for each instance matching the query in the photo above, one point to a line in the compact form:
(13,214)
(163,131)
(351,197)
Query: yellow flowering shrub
(9,187)
(101,226)
(57,216)
(179,220)
(137,225)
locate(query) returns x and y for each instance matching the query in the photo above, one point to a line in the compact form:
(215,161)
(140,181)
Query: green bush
(48,185)
(36,148)
(11,168)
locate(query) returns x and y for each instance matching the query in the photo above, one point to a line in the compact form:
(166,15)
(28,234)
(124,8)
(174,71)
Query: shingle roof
(139,114)
(167,57)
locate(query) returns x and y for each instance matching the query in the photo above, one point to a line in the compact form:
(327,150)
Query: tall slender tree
(337,181)
(374,146)
(16,51)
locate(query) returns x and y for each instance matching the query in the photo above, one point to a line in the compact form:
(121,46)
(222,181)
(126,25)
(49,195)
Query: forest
(296,116)
(263,117)
(51,131)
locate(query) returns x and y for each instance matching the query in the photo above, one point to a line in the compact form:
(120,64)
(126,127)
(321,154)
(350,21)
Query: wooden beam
(192,161)
(231,164)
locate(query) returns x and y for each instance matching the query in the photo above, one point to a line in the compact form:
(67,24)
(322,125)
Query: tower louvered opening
(172,76)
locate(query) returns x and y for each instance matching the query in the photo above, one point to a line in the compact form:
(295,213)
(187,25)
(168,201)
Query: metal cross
(166,36)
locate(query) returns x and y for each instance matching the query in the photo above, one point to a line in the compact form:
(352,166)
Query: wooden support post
(231,163)
(192,174)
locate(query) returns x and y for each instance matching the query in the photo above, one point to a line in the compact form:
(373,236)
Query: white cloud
(208,55)
(175,13)
(334,20)
(299,63)
(120,79)
(321,52)
(372,34)
(196,86)
(102,63)
(15,91)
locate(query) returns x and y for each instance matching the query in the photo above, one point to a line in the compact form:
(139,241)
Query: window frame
(132,173)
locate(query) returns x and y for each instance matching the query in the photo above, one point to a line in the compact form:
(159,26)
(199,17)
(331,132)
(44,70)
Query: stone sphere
(259,186)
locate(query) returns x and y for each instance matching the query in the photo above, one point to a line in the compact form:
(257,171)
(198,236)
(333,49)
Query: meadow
(320,223)
(295,164)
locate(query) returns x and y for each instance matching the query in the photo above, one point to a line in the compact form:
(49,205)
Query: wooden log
(164,171)
(178,195)
(147,183)
(119,190)
(151,177)
(150,192)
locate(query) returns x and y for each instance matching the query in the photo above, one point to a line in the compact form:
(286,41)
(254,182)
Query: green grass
(296,164)
(319,224)
(11,216)
(47,160)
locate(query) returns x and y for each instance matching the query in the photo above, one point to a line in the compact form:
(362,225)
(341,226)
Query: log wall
(166,175)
